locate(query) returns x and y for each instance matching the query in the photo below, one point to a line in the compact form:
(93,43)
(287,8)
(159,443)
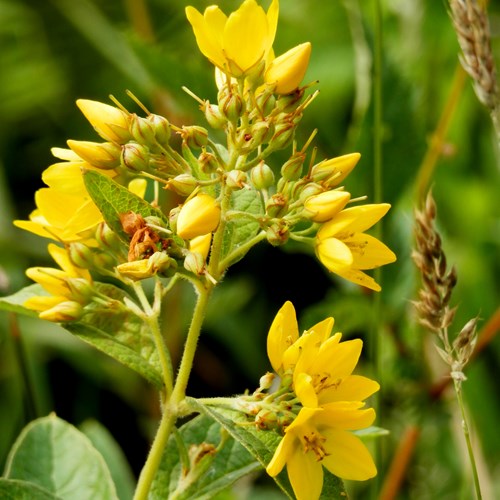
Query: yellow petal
(272,23)
(284,332)
(359,277)
(305,474)
(246,35)
(64,311)
(333,254)
(338,359)
(138,187)
(199,215)
(52,280)
(282,454)
(348,419)
(352,388)
(65,154)
(325,205)
(201,245)
(42,303)
(66,177)
(287,71)
(305,391)
(333,171)
(368,252)
(348,457)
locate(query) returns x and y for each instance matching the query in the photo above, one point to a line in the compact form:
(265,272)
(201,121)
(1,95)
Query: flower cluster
(318,368)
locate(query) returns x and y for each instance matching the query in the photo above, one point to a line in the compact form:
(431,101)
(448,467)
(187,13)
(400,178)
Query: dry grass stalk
(473,33)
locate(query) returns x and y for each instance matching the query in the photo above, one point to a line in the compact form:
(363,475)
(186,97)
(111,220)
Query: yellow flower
(201,245)
(319,437)
(63,302)
(288,70)
(198,216)
(332,172)
(283,342)
(111,123)
(238,43)
(344,249)
(325,205)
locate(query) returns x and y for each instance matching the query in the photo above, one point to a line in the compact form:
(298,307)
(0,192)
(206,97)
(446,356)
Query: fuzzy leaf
(220,470)
(242,229)
(13,489)
(55,456)
(120,334)
(262,444)
(112,199)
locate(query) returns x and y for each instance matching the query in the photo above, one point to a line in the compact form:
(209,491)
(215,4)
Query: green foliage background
(53,52)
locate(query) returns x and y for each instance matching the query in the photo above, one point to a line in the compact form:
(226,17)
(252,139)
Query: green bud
(208,162)
(266,101)
(142,130)
(183,184)
(277,205)
(172,218)
(277,234)
(283,135)
(305,191)
(231,105)
(81,255)
(292,169)
(213,115)
(236,179)
(103,260)
(288,103)
(64,311)
(266,420)
(135,157)
(194,263)
(262,176)
(81,289)
(194,136)
(161,127)
(107,238)
(261,133)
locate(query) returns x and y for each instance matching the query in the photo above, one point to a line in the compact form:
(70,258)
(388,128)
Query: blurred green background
(56,51)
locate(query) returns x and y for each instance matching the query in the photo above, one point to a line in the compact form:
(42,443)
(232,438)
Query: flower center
(314,442)
(322,381)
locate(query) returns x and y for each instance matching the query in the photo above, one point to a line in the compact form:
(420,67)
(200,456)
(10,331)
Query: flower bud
(135,157)
(289,103)
(81,289)
(104,261)
(303,190)
(68,310)
(287,71)
(109,122)
(262,176)
(261,133)
(104,155)
(236,179)
(283,135)
(266,381)
(81,255)
(194,136)
(194,263)
(324,206)
(173,215)
(208,162)
(265,101)
(142,130)
(277,205)
(183,184)
(161,127)
(277,234)
(107,238)
(266,419)
(332,172)
(231,105)
(292,169)
(213,115)
(199,215)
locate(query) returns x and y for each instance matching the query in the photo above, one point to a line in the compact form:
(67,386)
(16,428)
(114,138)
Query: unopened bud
(266,419)
(332,172)
(292,169)
(81,255)
(266,381)
(161,127)
(183,184)
(261,133)
(213,115)
(276,205)
(324,206)
(81,289)
(135,157)
(266,101)
(306,190)
(142,130)
(104,155)
(194,136)
(208,162)
(283,135)
(277,234)
(64,311)
(201,245)
(290,102)
(194,263)
(236,179)
(199,215)
(231,105)
(262,176)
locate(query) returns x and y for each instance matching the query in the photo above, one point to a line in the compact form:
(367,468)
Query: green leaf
(119,468)
(13,489)
(112,199)
(242,229)
(262,444)
(57,457)
(229,463)
(371,432)
(14,302)
(120,334)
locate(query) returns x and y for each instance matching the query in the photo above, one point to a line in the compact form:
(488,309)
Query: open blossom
(332,400)
(344,248)
(238,43)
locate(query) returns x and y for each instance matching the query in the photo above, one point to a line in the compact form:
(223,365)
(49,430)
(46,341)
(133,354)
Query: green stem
(179,392)
(465,428)
(152,464)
